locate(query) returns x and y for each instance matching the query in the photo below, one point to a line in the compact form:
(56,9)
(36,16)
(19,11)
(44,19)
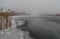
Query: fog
(33,7)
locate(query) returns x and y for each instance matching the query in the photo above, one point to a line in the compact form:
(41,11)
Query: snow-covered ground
(13,33)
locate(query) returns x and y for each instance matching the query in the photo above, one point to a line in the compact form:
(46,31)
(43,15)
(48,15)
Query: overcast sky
(35,7)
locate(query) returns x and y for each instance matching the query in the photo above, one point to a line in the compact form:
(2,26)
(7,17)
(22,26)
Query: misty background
(33,7)
(42,27)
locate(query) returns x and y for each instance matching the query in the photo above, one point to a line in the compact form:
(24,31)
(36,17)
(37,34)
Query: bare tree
(1,9)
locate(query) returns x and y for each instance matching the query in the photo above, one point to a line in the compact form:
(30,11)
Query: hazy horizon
(35,7)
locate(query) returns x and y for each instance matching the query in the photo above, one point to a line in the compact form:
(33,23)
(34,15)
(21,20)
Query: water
(48,28)
(45,27)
